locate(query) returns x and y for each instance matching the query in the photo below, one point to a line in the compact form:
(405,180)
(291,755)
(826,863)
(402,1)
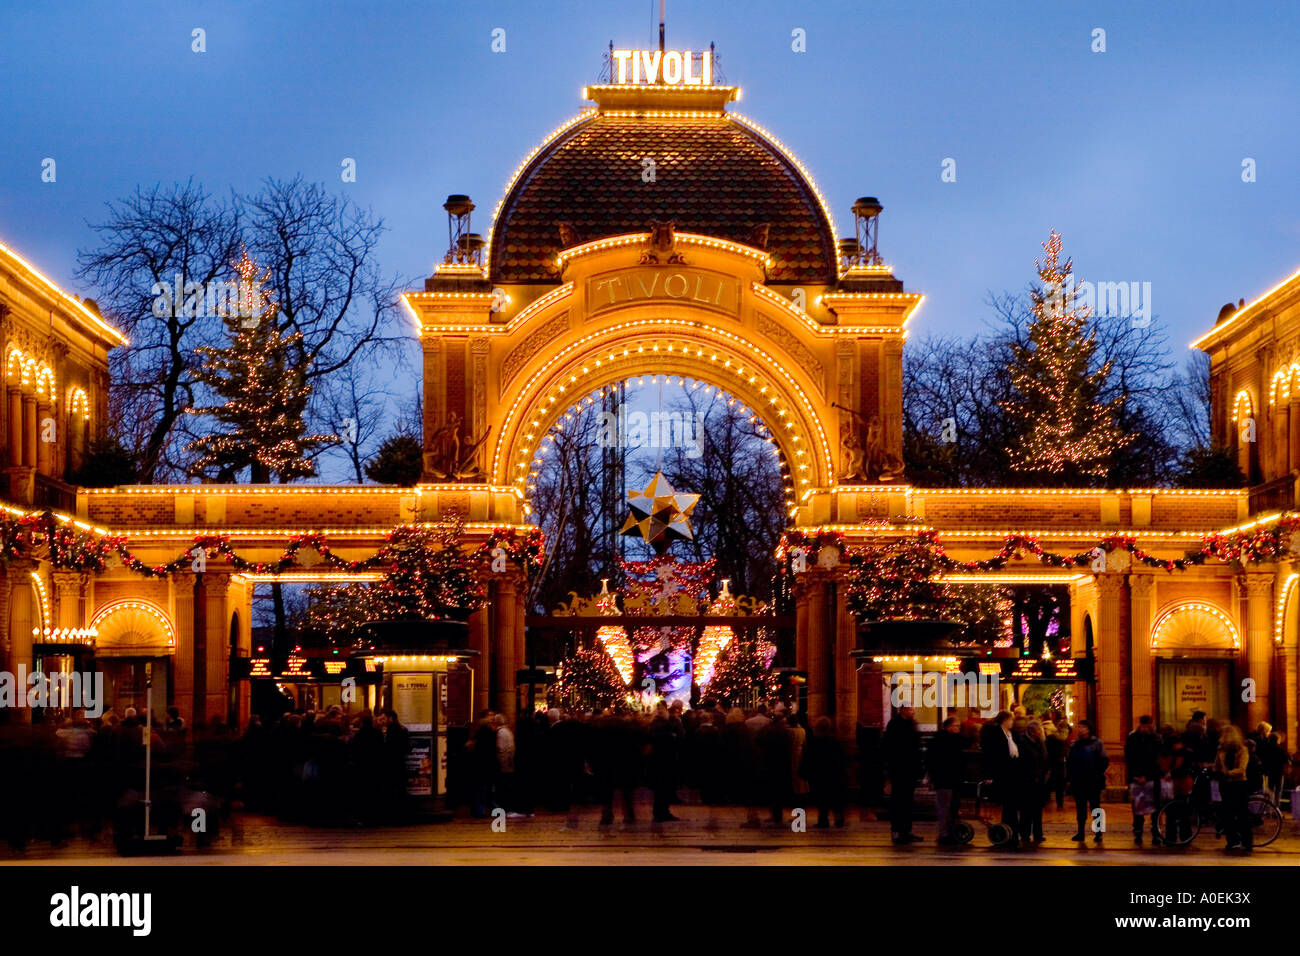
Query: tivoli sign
(698,287)
(671,68)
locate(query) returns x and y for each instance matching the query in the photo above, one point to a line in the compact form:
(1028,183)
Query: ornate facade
(715,261)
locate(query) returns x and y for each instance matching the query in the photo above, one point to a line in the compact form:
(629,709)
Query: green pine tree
(1064,434)
(398,461)
(260,426)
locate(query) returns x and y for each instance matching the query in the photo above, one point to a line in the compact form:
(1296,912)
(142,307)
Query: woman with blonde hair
(1230,766)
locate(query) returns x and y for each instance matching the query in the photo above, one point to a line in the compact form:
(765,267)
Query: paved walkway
(703,835)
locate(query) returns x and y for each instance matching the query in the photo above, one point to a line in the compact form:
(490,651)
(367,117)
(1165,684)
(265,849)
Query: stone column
(182,586)
(821,674)
(23,616)
(1111,631)
(6,635)
(68,587)
(801,628)
(1293,436)
(480,639)
(505,647)
(1287,692)
(1258,650)
(846,667)
(15,427)
(216,587)
(1142,586)
(30,435)
(45,449)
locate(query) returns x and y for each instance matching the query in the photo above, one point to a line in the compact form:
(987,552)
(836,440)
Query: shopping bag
(1215,796)
(1295,804)
(1167,788)
(1143,797)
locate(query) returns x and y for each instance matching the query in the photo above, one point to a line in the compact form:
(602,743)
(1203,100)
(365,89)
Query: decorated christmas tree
(259,377)
(1064,434)
(587,680)
(742,670)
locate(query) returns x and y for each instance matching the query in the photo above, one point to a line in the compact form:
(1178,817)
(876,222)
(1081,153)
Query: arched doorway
(1195,644)
(134,648)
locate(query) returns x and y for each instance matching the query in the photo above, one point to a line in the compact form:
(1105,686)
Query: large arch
(649,345)
(501,368)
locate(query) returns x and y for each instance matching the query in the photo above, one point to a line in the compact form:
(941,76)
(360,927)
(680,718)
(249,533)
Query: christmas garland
(42,536)
(1237,548)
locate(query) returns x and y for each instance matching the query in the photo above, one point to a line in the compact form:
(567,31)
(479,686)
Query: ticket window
(1187,685)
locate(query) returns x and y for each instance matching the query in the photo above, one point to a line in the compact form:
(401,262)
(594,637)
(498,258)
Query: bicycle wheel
(1265,820)
(1177,823)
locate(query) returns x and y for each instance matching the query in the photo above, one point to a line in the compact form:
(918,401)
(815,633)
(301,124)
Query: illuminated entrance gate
(657,233)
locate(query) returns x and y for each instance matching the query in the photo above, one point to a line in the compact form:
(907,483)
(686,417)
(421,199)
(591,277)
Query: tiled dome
(713,175)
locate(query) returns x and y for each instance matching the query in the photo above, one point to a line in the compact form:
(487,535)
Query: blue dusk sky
(1134,154)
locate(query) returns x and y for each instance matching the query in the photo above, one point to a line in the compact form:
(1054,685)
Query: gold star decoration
(659,514)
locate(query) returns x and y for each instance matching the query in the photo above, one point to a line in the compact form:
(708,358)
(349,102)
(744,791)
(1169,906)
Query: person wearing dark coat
(945,761)
(825,767)
(484,763)
(902,750)
(1001,754)
(397,746)
(1142,760)
(665,742)
(1085,768)
(773,744)
(1033,768)
(1057,745)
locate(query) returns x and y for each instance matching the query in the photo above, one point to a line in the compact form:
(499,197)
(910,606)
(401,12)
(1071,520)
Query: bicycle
(1179,821)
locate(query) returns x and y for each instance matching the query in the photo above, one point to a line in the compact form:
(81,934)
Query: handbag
(1167,789)
(1143,798)
(1215,795)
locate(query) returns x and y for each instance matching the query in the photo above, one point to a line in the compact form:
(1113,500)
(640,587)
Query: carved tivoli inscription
(697,287)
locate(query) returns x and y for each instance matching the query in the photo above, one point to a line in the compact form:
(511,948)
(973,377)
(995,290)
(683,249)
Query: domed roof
(714,174)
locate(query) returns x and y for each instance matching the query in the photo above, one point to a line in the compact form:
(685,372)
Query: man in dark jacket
(1085,769)
(945,760)
(902,747)
(1142,757)
(825,768)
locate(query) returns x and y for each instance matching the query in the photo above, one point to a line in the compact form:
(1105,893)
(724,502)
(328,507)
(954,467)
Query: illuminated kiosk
(427,680)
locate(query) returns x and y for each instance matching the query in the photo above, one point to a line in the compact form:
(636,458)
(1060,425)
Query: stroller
(977,807)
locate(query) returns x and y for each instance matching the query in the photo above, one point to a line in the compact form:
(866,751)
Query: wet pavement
(703,836)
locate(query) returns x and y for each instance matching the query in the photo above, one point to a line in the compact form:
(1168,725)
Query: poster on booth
(419,766)
(1193,695)
(413,701)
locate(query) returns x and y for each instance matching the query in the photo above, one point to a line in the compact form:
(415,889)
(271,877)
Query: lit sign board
(671,67)
(1063,670)
(304,669)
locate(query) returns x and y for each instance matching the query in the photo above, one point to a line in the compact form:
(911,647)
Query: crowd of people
(332,768)
(88,776)
(762,759)
(1025,761)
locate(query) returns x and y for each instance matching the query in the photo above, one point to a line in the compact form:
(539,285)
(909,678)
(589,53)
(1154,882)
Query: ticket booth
(426,679)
